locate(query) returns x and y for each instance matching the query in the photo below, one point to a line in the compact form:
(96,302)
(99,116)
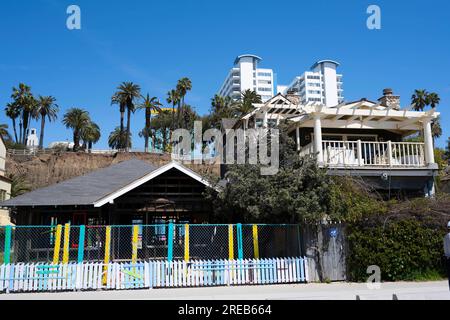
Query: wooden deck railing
(370,154)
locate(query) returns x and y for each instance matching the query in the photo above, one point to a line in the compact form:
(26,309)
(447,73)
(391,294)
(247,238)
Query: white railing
(306,150)
(371,153)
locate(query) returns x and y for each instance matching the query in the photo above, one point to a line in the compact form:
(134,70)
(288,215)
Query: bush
(406,242)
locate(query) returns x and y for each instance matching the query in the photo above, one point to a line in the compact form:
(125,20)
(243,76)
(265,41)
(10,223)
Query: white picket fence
(26,277)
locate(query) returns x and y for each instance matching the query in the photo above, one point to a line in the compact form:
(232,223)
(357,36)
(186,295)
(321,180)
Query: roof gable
(98,187)
(148,177)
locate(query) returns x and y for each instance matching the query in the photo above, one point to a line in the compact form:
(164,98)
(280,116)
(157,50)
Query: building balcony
(368,154)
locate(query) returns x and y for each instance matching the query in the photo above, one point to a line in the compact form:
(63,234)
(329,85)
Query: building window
(2,195)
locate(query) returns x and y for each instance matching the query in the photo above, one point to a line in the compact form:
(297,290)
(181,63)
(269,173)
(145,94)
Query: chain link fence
(65,243)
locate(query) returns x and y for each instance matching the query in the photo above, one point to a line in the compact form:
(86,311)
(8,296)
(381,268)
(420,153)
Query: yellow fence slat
(57,244)
(66,243)
(255,242)
(134,244)
(230,242)
(107,253)
(186,242)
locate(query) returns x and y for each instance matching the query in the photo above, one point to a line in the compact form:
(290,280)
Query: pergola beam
(387,125)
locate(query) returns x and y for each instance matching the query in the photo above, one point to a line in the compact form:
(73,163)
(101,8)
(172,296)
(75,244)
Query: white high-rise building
(322,84)
(246,75)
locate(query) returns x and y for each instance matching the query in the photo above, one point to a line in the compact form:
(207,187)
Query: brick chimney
(389,99)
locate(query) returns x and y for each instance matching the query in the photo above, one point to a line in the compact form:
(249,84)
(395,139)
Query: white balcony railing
(370,154)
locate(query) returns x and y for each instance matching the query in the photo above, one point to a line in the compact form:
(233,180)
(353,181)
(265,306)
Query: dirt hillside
(47,169)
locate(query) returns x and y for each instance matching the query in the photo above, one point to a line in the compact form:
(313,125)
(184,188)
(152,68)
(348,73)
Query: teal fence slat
(81,244)
(170,242)
(239,241)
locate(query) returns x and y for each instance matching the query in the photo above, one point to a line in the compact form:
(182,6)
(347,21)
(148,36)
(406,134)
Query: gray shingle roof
(85,190)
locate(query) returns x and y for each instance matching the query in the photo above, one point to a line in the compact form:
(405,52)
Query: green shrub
(406,243)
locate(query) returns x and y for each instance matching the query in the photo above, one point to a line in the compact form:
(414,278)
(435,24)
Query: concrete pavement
(436,290)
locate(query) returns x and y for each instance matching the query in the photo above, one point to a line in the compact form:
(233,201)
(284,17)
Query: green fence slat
(7,251)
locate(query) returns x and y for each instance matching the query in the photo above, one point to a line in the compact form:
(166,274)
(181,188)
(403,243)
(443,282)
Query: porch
(368,154)
(365,135)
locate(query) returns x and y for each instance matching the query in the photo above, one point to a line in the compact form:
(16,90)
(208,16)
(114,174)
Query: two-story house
(361,138)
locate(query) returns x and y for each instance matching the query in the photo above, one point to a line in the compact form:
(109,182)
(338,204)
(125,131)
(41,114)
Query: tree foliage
(299,192)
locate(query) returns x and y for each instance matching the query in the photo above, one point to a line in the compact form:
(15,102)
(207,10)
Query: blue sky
(154,43)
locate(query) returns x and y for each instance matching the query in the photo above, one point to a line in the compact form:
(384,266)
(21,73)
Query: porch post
(428,139)
(318,138)
(265,119)
(297,137)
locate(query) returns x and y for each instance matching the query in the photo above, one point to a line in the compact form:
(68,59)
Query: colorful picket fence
(36,277)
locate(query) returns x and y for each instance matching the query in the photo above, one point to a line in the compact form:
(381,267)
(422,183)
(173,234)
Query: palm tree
(24,100)
(436,129)
(90,134)
(13,112)
(245,103)
(116,139)
(121,101)
(76,119)
(173,97)
(183,86)
(127,93)
(4,132)
(46,107)
(150,105)
(221,108)
(419,99)
(433,99)
(19,185)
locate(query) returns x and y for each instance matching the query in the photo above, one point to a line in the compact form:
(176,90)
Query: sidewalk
(436,290)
